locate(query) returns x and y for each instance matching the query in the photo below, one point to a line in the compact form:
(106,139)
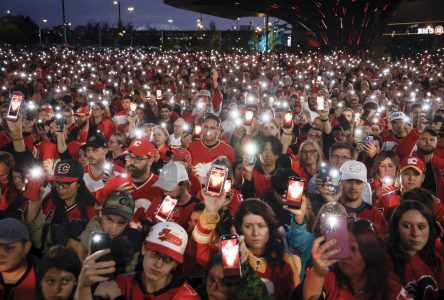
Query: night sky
(146,13)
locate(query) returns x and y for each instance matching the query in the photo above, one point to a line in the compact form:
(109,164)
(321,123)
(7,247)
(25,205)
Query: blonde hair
(165,132)
(317,147)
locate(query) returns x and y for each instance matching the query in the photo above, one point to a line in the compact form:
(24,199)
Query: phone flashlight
(387,180)
(251,151)
(36,172)
(332,221)
(138,133)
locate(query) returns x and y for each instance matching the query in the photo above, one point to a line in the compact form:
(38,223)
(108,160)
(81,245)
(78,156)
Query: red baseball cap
(142,147)
(180,153)
(414,163)
(47,108)
(82,111)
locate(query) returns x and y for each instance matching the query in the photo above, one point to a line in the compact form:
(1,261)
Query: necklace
(258,261)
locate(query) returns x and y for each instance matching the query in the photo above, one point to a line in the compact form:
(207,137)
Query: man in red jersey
(81,132)
(138,179)
(98,171)
(209,147)
(354,175)
(397,120)
(174,181)
(120,119)
(163,252)
(426,141)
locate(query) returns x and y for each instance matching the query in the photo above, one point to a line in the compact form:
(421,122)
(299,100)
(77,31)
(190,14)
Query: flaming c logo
(137,143)
(412,161)
(63,168)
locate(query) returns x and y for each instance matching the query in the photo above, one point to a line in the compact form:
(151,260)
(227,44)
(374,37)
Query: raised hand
(321,255)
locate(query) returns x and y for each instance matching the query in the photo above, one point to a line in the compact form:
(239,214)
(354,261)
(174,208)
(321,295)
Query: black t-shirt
(429,181)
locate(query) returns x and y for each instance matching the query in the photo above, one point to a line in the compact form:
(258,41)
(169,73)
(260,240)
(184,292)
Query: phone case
(165,209)
(231,256)
(216,181)
(338,232)
(295,191)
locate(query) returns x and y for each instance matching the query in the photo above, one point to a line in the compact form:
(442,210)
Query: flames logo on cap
(79,109)
(92,139)
(123,201)
(412,161)
(168,236)
(137,143)
(63,168)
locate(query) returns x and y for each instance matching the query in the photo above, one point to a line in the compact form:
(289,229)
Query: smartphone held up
(165,209)
(216,181)
(295,191)
(14,107)
(288,120)
(334,227)
(231,258)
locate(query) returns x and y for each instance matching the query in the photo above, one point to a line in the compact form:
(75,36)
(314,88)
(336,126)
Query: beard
(135,171)
(426,150)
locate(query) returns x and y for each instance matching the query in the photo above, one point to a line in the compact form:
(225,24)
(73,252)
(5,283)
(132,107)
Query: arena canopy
(332,23)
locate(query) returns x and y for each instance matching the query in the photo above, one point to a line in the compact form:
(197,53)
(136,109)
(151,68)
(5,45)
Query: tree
(18,30)
(213,37)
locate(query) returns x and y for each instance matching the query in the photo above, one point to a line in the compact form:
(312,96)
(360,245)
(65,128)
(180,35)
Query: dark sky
(146,13)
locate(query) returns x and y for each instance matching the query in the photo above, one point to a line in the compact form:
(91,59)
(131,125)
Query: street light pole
(40,30)
(170,21)
(131,9)
(119,23)
(64,21)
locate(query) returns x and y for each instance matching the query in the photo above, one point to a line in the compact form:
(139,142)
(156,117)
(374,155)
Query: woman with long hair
(101,117)
(362,275)
(310,157)
(9,193)
(412,248)
(257,177)
(305,228)
(257,222)
(118,142)
(60,217)
(385,173)
(161,139)
(57,274)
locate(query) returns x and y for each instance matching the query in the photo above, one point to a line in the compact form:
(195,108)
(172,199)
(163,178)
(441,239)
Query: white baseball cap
(354,169)
(204,93)
(397,115)
(168,238)
(170,176)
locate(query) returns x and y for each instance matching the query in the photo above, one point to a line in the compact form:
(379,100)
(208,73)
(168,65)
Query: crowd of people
(107,159)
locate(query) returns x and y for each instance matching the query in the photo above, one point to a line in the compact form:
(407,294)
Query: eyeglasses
(61,185)
(210,280)
(156,255)
(364,223)
(136,159)
(309,152)
(340,158)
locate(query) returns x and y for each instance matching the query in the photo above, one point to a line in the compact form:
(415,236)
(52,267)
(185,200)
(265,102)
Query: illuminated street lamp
(170,21)
(131,9)
(119,23)
(40,30)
